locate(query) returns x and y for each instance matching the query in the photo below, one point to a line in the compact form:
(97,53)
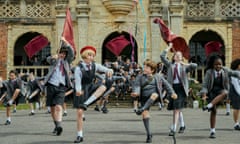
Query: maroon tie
(218,74)
(88,67)
(62,68)
(175,73)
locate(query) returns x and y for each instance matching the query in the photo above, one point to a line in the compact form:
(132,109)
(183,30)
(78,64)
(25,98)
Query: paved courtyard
(119,126)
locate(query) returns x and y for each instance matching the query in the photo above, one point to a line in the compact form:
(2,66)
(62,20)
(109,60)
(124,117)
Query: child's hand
(174,96)
(169,46)
(55,56)
(196,82)
(79,93)
(134,94)
(63,39)
(204,97)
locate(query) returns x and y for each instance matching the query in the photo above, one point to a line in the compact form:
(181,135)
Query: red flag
(35,45)
(117,44)
(179,43)
(68,30)
(166,33)
(212,46)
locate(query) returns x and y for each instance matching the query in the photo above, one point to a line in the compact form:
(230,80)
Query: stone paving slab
(119,126)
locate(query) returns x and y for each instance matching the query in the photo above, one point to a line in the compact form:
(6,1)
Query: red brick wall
(236,40)
(3,50)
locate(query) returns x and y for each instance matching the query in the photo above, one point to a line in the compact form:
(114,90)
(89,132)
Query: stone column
(60,19)
(82,17)
(176,16)
(156,10)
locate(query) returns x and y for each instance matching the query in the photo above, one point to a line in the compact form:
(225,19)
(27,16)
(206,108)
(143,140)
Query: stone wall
(3,49)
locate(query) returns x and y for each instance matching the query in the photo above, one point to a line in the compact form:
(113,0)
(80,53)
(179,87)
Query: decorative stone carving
(61,7)
(155,6)
(82,7)
(39,9)
(230,9)
(62,2)
(200,9)
(9,9)
(176,2)
(82,2)
(119,8)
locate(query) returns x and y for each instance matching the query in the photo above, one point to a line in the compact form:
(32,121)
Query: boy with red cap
(87,91)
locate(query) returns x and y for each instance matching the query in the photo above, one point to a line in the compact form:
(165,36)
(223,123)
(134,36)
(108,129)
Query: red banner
(35,45)
(117,44)
(179,43)
(212,47)
(68,30)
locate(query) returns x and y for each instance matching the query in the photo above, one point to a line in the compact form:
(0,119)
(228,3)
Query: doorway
(119,44)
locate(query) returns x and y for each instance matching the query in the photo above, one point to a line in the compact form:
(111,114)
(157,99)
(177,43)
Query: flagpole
(60,45)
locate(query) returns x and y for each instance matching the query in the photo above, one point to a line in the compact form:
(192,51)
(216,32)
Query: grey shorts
(55,95)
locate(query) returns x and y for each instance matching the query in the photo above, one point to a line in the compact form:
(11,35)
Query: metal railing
(37,70)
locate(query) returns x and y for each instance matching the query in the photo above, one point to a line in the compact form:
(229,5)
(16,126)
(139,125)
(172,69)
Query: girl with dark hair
(234,94)
(215,87)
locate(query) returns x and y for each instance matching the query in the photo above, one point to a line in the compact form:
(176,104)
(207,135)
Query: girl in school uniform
(215,87)
(177,76)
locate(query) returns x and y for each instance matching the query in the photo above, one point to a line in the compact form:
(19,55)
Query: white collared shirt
(217,72)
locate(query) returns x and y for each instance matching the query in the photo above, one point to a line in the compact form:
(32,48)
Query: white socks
(228,107)
(80,133)
(10,102)
(181,121)
(9,118)
(210,105)
(212,130)
(90,100)
(236,124)
(174,127)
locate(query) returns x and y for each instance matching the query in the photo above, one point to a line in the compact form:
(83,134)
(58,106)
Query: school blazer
(184,70)
(207,84)
(160,83)
(67,61)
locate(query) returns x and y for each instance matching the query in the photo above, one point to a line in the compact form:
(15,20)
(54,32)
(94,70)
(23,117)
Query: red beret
(88,48)
(212,46)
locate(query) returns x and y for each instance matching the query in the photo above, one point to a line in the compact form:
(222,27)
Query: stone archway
(129,51)
(197,42)
(20,56)
(197,50)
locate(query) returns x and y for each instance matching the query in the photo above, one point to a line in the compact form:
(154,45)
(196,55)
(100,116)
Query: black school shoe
(78,139)
(31,114)
(97,108)
(104,110)
(7,122)
(149,139)
(54,130)
(212,135)
(171,133)
(59,131)
(182,129)
(237,127)
(64,114)
(204,108)
(139,111)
